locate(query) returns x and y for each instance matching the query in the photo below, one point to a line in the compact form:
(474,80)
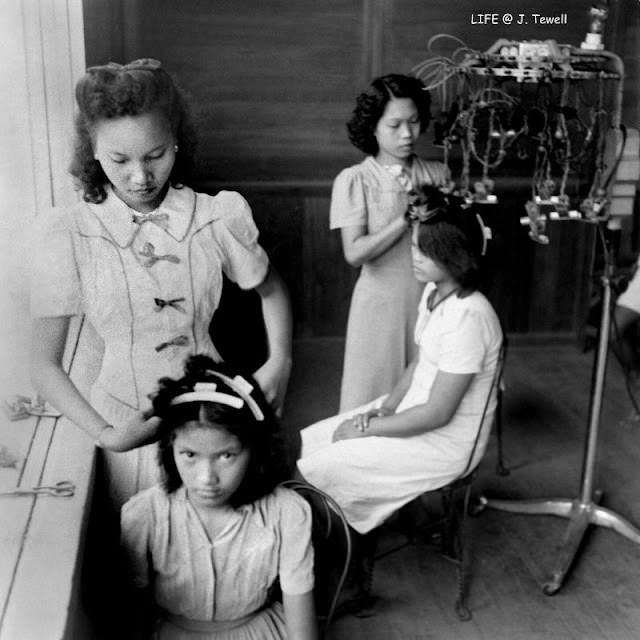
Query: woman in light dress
(142,256)
(368,204)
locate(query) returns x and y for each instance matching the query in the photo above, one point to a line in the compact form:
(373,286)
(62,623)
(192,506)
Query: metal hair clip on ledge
(62,489)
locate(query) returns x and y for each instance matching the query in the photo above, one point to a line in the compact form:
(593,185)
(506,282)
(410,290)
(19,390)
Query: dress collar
(174,215)
(401,177)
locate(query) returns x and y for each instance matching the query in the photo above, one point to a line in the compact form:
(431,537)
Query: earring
(175,148)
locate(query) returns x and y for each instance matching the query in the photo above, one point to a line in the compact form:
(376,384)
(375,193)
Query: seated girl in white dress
(376,458)
(206,545)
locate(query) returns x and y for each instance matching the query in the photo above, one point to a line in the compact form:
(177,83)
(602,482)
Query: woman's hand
(358,424)
(347,430)
(273,377)
(136,432)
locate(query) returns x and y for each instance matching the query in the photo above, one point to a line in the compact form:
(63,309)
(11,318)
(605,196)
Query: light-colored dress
(372,477)
(630,297)
(382,314)
(217,589)
(149,288)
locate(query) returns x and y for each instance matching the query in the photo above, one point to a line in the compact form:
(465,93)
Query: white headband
(207,392)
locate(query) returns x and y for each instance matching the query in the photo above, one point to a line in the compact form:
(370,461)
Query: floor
(545,418)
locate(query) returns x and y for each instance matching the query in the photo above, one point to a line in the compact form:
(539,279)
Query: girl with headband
(142,256)
(207,543)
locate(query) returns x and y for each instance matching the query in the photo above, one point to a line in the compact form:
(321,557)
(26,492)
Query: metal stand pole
(582,511)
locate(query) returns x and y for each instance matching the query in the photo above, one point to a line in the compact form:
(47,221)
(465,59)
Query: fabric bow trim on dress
(399,173)
(178,341)
(160,219)
(174,303)
(149,251)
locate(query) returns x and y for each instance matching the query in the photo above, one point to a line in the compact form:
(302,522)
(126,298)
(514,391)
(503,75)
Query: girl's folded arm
(402,386)
(446,394)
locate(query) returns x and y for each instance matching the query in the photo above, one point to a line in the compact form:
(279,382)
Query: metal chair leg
(501,470)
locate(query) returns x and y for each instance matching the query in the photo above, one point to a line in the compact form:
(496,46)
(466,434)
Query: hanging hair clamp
(487,234)
(420,213)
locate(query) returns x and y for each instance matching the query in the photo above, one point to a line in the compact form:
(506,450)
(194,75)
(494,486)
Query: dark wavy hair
(261,438)
(450,234)
(370,106)
(114,91)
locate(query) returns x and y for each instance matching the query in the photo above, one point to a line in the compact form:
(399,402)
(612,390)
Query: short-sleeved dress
(149,285)
(372,477)
(382,314)
(218,589)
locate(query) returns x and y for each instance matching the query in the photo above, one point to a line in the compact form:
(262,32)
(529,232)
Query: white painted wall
(42,53)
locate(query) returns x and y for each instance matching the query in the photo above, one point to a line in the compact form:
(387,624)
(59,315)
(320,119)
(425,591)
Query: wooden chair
(332,548)
(449,530)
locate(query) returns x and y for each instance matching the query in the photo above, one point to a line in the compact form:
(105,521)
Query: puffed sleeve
(244,260)
(463,344)
(348,201)
(54,278)
(136,524)
(296,550)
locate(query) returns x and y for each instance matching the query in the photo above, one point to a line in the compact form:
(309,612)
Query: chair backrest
(331,539)
(493,390)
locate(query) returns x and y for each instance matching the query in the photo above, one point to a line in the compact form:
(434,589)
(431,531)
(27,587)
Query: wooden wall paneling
(560,280)
(621,36)
(508,262)
(107,23)
(279,217)
(374,22)
(329,280)
(272,82)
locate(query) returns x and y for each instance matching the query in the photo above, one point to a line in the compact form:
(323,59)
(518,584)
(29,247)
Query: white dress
(149,288)
(372,477)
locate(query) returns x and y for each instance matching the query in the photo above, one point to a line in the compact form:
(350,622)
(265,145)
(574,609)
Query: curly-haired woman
(142,256)
(368,204)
